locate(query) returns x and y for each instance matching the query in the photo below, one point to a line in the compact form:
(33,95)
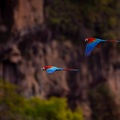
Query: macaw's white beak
(86,40)
(42,68)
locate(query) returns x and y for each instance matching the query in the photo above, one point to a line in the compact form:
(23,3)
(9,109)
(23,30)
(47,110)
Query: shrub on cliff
(15,107)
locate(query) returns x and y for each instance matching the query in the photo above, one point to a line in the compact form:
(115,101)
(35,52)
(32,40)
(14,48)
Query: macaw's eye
(86,40)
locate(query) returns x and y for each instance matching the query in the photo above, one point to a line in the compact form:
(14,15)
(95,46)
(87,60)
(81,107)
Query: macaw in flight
(94,42)
(52,69)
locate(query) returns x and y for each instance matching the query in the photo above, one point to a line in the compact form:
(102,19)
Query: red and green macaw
(52,69)
(94,42)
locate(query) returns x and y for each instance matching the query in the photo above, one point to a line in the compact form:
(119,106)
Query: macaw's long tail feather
(117,40)
(68,69)
(112,41)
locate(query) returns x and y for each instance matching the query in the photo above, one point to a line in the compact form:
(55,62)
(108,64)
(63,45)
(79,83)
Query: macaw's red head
(45,67)
(89,40)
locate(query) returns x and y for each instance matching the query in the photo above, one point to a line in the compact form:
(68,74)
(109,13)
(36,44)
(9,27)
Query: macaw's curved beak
(86,40)
(42,68)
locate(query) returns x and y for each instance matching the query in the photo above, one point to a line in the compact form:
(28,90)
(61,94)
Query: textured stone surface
(28,13)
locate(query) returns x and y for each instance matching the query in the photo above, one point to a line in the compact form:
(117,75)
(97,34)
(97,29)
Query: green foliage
(54,109)
(103,104)
(15,107)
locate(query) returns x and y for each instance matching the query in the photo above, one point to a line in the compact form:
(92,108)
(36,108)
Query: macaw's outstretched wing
(51,70)
(90,47)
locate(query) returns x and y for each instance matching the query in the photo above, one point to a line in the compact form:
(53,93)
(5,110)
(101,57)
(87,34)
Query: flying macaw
(52,69)
(94,42)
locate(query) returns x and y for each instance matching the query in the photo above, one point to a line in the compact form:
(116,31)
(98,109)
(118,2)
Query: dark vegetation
(103,104)
(71,19)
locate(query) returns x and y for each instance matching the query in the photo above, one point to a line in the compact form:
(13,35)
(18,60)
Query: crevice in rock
(6,18)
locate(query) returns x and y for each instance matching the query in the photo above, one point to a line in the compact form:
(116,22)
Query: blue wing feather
(90,47)
(53,69)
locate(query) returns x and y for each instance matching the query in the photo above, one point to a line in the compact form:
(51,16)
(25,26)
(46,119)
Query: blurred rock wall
(28,13)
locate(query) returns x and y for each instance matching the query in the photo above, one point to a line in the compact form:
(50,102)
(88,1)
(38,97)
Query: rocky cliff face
(28,14)
(21,63)
(19,15)
(30,48)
